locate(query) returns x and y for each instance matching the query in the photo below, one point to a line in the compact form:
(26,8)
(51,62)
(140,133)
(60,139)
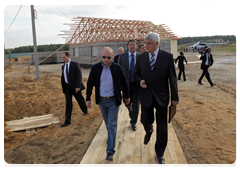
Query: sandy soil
(206,116)
(205,122)
(24,96)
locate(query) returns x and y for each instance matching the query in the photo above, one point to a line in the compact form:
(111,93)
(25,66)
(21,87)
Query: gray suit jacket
(123,60)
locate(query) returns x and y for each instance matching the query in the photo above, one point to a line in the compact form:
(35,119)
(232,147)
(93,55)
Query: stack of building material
(31,123)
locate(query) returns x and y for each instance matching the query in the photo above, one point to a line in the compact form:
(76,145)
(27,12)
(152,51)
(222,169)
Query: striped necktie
(152,61)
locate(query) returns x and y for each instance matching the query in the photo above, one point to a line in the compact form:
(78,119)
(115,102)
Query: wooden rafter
(102,29)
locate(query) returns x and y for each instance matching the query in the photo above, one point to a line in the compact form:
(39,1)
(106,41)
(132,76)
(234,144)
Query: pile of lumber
(31,122)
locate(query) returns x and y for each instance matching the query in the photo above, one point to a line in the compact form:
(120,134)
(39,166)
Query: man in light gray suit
(128,60)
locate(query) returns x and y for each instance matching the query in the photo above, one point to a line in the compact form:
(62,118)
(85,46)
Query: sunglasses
(108,57)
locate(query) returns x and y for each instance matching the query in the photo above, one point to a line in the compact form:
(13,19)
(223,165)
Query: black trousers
(69,92)
(181,70)
(206,74)
(147,119)
(133,106)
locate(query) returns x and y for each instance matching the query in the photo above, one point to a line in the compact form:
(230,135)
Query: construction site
(202,132)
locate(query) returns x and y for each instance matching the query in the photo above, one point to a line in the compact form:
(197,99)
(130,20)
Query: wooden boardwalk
(129,145)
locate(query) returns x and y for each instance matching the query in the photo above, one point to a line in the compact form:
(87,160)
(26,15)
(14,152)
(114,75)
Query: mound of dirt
(25,96)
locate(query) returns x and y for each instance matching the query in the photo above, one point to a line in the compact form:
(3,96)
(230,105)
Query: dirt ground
(205,122)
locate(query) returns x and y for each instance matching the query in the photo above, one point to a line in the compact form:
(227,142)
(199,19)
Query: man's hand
(143,85)
(88,103)
(77,90)
(174,103)
(127,101)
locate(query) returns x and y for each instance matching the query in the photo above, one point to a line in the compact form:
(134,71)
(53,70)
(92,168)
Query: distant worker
(127,61)
(72,86)
(207,61)
(107,77)
(180,60)
(142,48)
(120,51)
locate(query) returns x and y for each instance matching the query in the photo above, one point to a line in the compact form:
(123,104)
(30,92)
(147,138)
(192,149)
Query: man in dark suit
(180,60)
(72,86)
(120,51)
(154,71)
(207,61)
(127,61)
(108,77)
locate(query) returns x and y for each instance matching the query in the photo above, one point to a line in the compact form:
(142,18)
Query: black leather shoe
(109,157)
(147,138)
(65,124)
(213,84)
(200,83)
(134,127)
(85,114)
(161,160)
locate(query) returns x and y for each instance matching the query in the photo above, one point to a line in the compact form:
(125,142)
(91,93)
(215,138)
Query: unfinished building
(87,36)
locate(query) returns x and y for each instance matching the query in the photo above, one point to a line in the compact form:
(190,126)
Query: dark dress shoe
(213,84)
(109,157)
(147,138)
(134,127)
(85,114)
(161,160)
(200,83)
(65,124)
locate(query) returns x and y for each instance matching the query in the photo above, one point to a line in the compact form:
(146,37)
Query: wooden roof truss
(86,30)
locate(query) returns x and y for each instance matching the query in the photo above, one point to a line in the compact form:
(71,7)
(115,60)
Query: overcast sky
(183,17)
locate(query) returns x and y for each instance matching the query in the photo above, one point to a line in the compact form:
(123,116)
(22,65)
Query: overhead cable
(13,20)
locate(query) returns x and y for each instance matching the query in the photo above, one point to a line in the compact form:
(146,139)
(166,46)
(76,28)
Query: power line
(13,20)
(12,39)
(62,12)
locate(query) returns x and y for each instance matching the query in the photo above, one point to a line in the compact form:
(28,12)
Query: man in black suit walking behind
(127,61)
(207,61)
(155,71)
(180,60)
(72,86)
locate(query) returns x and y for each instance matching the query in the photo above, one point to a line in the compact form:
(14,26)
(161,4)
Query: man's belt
(106,98)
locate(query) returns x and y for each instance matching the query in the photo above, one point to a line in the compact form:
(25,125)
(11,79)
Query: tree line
(186,40)
(40,48)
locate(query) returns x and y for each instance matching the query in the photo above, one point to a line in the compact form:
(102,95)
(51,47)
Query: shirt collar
(129,53)
(68,62)
(155,52)
(104,65)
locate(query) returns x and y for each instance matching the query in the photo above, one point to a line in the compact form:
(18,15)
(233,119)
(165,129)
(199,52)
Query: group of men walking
(144,78)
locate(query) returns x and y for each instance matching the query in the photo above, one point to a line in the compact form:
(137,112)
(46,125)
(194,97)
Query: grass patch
(225,47)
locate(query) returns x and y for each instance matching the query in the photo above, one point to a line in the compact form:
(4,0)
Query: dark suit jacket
(116,58)
(75,77)
(157,80)
(124,62)
(180,60)
(118,80)
(203,58)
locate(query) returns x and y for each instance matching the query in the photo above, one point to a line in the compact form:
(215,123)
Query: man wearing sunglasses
(107,77)
(127,61)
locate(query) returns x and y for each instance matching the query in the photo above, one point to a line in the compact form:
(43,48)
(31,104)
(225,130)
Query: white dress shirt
(64,71)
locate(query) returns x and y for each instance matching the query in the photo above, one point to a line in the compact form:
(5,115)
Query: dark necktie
(67,73)
(152,61)
(132,68)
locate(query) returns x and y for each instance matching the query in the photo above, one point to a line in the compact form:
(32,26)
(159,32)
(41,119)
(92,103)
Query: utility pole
(34,42)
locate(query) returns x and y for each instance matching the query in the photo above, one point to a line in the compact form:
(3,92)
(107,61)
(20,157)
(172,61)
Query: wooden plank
(33,122)
(138,143)
(122,145)
(95,145)
(172,150)
(179,152)
(33,126)
(121,124)
(28,119)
